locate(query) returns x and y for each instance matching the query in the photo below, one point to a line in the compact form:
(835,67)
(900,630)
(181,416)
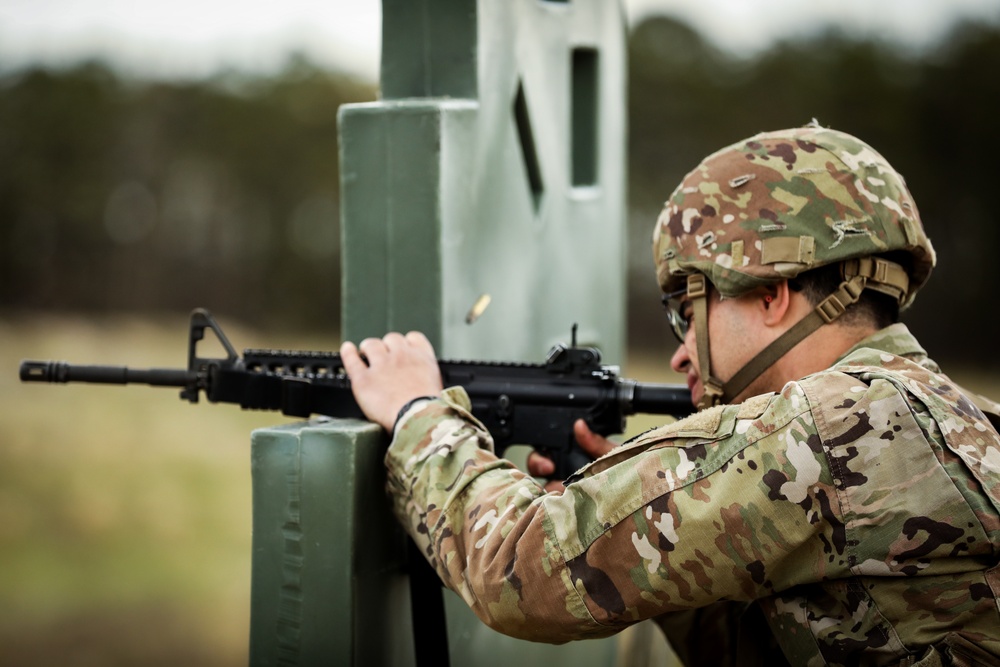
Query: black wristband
(405,408)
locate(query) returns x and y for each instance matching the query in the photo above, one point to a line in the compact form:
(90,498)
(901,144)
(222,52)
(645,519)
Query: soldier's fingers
(419,341)
(393,341)
(595,445)
(373,349)
(539,466)
(351,358)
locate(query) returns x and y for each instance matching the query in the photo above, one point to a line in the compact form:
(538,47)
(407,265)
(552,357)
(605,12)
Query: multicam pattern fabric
(859,508)
(780,203)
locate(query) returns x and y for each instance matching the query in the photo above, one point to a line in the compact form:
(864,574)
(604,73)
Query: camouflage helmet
(781,203)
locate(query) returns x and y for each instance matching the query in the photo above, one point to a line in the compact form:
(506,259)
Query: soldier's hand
(594,445)
(393,371)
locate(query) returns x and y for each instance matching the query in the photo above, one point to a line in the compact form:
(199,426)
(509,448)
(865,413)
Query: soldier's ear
(775,303)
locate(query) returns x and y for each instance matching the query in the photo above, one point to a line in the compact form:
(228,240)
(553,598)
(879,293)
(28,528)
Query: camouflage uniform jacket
(859,507)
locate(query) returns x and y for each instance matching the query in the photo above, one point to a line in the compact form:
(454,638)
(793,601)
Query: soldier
(835,487)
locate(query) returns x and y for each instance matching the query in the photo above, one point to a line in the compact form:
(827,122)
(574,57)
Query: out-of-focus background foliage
(144,196)
(124,203)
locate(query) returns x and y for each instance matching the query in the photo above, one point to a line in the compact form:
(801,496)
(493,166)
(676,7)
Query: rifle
(519,403)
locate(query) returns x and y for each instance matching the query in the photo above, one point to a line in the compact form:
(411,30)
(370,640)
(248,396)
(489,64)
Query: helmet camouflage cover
(780,203)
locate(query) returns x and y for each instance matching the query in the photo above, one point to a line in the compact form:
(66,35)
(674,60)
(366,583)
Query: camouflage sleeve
(733,503)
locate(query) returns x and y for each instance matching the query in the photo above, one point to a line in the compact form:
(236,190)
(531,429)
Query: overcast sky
(197,37)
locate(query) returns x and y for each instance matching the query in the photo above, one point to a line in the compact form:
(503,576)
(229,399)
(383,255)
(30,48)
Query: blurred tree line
(117,194)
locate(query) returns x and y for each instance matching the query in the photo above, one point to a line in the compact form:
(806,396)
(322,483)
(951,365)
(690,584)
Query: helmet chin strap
(873,273)
(697,294)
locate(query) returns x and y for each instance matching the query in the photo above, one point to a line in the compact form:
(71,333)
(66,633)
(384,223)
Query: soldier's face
(735,334)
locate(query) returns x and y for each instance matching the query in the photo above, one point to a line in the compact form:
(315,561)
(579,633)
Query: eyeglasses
(673,304)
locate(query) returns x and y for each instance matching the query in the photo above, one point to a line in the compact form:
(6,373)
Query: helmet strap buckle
(836,304)
(697,286)
(883,275)
(714,394)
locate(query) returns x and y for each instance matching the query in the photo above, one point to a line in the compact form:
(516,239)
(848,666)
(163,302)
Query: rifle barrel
(62,372)
(662,399)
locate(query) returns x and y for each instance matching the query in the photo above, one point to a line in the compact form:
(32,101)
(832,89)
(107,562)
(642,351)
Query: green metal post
(314,551)
(499,173)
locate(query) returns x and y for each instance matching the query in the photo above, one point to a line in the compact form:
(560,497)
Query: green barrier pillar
(491,169)
(327,560)
(492,165)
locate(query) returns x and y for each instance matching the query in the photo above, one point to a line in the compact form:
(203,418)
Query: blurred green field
(125,513)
